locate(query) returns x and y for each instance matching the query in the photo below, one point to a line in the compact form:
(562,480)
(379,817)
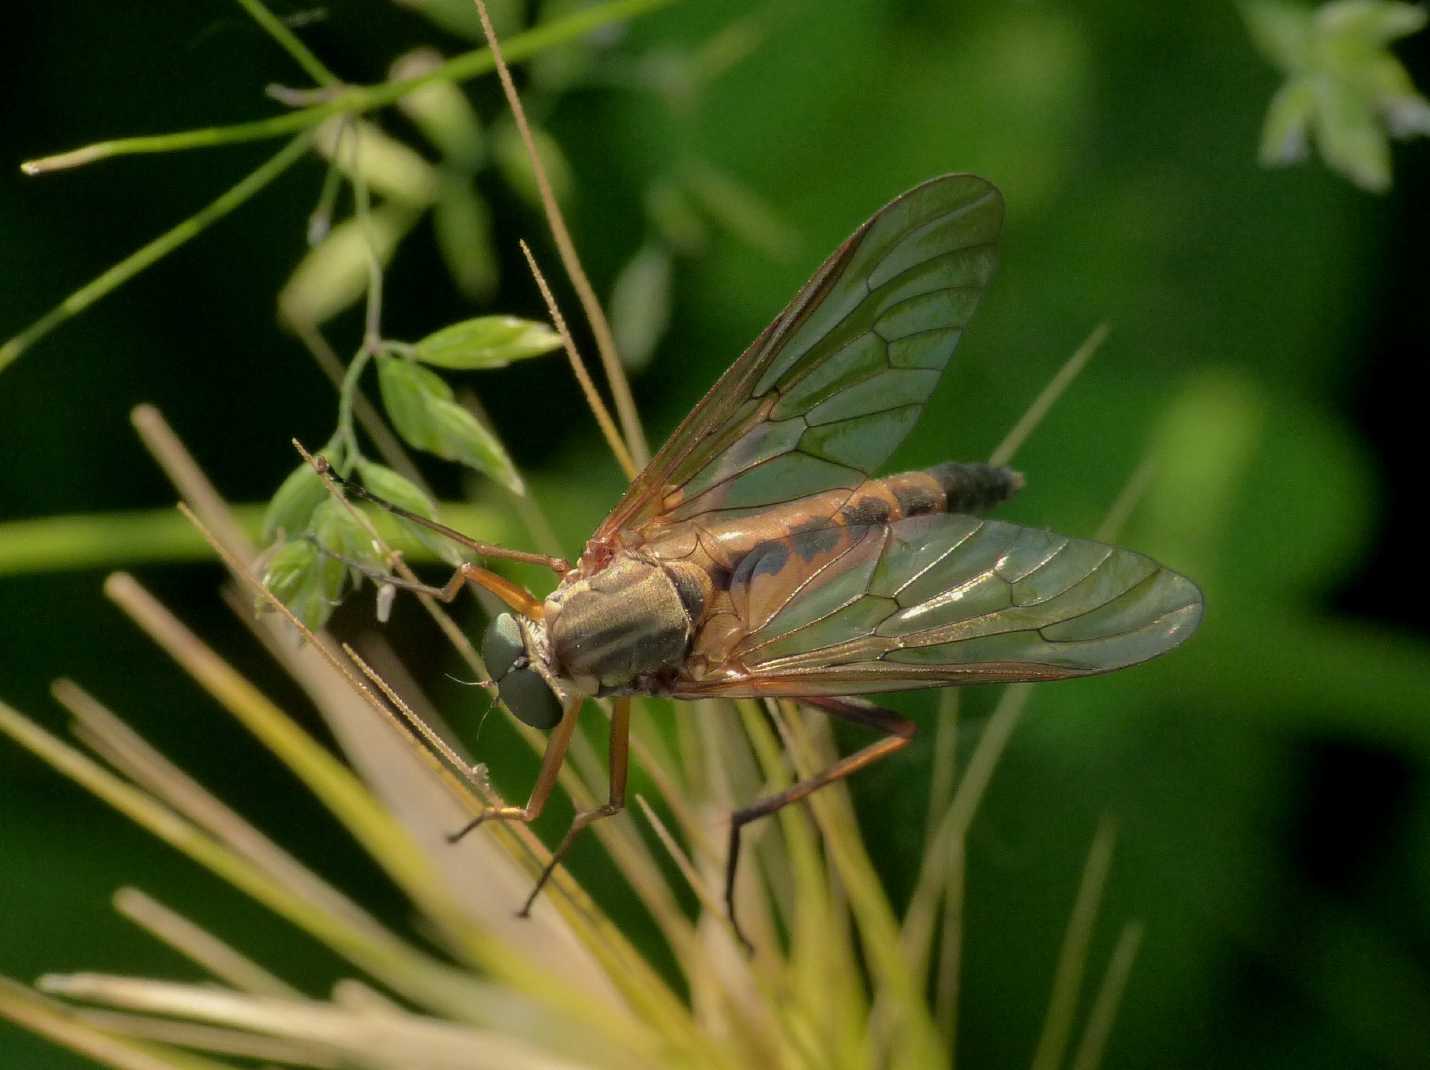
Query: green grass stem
(155,250)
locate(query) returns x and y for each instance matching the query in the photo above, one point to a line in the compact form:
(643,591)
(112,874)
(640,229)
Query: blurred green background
(1271,780)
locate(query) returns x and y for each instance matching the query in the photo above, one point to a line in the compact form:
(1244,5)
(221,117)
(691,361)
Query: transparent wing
(940,599)
(827,391)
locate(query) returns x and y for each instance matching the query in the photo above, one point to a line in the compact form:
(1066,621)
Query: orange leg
(616,802)
(551,761)
(546,781)
(513,594)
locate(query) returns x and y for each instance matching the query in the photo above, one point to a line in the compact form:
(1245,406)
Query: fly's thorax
(634,616)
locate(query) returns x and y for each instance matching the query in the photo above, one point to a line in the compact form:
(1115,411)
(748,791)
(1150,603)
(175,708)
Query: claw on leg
(551,761)
(546,780)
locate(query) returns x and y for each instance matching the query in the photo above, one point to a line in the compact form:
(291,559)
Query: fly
(758,556)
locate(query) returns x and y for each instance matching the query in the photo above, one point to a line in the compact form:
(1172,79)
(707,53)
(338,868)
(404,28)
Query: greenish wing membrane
(832,386)
(954,599)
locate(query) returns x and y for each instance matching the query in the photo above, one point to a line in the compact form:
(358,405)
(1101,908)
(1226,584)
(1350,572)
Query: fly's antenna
(356,490)
(490,687)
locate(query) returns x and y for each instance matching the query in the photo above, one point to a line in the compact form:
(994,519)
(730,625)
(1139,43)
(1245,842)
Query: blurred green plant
(567,989)
(394,187)
(318,543)
(1344,88)
(324,118)
(1263,494)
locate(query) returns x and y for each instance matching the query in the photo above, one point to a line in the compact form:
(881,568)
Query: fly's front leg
(513,594)
(898,732)
(551,761)
(616,801)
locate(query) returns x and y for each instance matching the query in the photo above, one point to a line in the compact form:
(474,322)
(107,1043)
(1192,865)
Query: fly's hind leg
(898,731)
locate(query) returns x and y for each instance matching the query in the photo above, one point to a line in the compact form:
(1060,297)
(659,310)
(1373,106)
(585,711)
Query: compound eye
(502,644)
(528,695)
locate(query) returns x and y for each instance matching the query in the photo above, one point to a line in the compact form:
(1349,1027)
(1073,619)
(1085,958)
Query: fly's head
(514,660)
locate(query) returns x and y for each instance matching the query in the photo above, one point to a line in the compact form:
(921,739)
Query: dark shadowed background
(1271,780)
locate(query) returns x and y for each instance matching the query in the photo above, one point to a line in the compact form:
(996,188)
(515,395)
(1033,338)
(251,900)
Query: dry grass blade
(1109,995)
(211,1039)
(1127,499)
(470,773)
(571,261)
(915,1042)
(421,979)
(948,839)
(708,899)
(193,486)
(416,868)
(1072,958)
(1044,402)
(329,780)
(583,377)
(199,945)
(129,753)
(67,1028)
(950,948)
(371,1041)
(945,759)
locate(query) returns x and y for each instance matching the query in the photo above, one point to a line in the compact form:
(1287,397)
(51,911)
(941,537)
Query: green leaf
(401,491)
(670,210)
(388,166)
(463,225)
(486,342)
(640,305)
(461,438)
(459,17)
(340,533)
(334,273)
(1347,88)
(420,406)
(1373,23)
(1405,111)
(1350,139)
(1283,32)
(306,581)
(1285,133)
(509,151)
(408,391)
(288,568)
(440,110)
(289,511)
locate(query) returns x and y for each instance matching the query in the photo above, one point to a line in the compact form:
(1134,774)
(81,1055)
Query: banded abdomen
(720,540)
(705,552)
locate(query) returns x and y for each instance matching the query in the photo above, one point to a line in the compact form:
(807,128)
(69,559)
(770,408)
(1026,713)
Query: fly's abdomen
(950,487)
(945,488)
